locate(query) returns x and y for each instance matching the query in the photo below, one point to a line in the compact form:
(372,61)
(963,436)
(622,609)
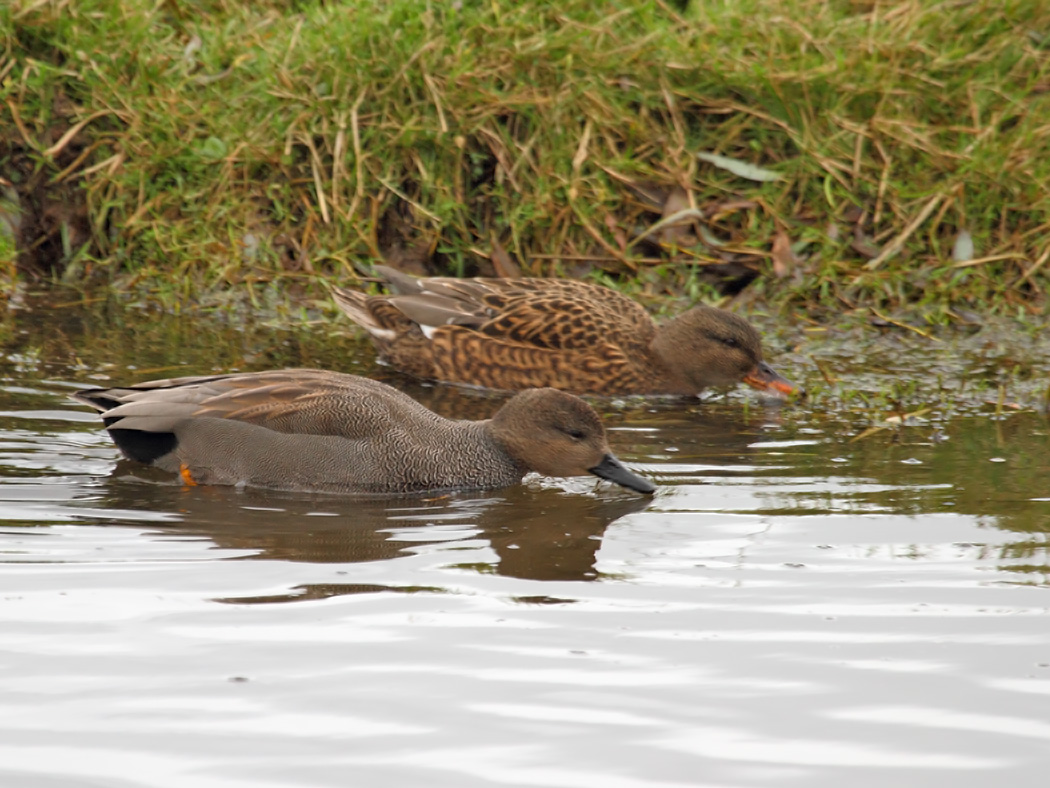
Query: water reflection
(54,334)
(792,608)
(535,533)
(997,470)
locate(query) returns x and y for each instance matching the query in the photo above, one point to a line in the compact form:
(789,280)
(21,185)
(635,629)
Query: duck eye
(722,339)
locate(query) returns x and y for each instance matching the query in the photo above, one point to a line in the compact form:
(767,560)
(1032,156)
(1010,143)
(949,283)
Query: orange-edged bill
(764,378)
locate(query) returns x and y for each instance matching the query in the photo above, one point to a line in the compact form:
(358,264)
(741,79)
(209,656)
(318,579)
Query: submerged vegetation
(833,153)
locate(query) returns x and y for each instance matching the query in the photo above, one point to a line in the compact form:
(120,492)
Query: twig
(410,201)
(355,136)
(437,100)
(337,160)
(899,324)
(581,149)
(74,130)
(1035,267)
(75,163)
(894,246)
(21,126)
(990,259)
(315,167)
(674,218)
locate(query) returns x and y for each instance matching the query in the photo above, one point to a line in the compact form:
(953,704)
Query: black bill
(612,469)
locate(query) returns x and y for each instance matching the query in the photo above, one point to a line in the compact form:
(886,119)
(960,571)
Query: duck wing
(509,333)
(558,322)
(297,401)
(550,313)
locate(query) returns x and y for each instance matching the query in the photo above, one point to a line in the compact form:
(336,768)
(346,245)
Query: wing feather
(289,401)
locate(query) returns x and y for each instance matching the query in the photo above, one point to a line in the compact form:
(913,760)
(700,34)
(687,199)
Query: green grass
(225,144)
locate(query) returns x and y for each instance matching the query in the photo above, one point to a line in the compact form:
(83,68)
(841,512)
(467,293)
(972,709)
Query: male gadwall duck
(306,429)
(574,336)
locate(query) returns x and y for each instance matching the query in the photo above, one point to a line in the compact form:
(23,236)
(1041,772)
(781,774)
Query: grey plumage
(315,430)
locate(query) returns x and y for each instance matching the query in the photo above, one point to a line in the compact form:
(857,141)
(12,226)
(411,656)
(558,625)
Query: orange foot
(187,477)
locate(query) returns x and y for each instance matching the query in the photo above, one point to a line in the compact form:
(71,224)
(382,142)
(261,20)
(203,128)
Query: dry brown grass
(189,153)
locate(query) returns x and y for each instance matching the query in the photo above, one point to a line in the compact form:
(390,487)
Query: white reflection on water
(725,742)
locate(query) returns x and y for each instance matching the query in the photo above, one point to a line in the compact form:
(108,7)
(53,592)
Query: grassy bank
(193,148)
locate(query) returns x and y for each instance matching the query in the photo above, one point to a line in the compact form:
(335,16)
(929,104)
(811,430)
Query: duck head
(558,434)
(707,347)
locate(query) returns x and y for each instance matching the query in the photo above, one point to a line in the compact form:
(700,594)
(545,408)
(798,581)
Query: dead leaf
(503,263)
(863,245)
(678,233)
(784,260)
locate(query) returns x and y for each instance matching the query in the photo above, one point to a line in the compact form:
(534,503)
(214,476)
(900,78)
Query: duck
(567,334)
(316,430)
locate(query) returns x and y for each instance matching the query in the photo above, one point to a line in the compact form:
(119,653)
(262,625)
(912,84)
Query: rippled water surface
(806,602)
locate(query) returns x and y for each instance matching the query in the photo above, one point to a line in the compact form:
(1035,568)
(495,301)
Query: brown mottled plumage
(572,335)
(306,429)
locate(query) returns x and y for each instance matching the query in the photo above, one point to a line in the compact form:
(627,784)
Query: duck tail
(355,306)
(398,282)
(99,399)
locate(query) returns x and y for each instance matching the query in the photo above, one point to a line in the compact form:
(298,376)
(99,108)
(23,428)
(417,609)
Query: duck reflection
(537,534)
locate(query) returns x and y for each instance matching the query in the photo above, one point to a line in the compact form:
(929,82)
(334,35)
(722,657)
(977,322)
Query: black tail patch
(99,399)
(144,447)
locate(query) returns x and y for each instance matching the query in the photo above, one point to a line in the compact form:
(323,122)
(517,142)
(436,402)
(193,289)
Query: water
(794,608)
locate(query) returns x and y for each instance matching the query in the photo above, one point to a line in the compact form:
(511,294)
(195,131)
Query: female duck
(575,336)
